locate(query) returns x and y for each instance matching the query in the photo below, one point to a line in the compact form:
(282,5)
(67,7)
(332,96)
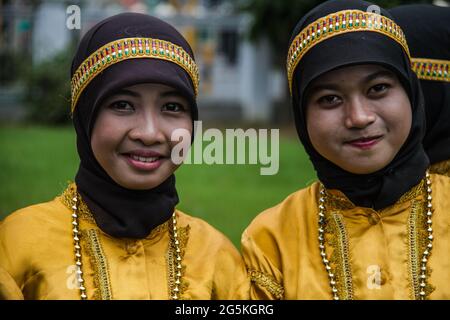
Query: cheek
(169,125)
(399,114)
(320,126)
(106,136)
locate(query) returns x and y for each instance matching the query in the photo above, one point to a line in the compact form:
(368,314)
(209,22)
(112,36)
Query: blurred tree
(277,19)
(47,94)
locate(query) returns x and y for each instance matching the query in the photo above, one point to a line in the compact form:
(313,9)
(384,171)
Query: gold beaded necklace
(425,255)
(175,243)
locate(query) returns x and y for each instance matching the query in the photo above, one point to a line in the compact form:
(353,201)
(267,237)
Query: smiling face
(358,117)
(131,138)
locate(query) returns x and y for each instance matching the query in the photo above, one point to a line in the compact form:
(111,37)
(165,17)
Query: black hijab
(427,29)
(118,211)
(384,187)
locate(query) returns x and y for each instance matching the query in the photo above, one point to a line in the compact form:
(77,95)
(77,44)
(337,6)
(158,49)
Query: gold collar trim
(339,23)
(84,213)
(130,48)
(337,200)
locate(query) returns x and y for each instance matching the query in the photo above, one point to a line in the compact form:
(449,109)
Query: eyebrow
(172,93)
(332,86)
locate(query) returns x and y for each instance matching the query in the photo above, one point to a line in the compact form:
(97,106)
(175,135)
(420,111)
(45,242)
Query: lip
(365,143)
(141,165)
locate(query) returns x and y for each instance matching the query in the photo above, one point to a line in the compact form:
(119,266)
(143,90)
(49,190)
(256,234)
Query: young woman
(427,30)
(115,232)
(375,225)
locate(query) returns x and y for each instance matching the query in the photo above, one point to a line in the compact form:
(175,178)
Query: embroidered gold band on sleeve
(130,48)
(339,23)
(268,282)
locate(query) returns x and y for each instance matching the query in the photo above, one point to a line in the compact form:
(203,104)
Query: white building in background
(236,80)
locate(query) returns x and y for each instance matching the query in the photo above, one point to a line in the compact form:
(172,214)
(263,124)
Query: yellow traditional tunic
(373,254)
(37,258)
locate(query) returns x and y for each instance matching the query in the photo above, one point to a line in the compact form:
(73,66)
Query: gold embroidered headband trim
(431,69)
(339,23)
(130,48)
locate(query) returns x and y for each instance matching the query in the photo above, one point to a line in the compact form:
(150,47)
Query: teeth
(144,159)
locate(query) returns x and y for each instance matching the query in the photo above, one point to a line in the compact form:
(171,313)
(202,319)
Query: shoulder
(293,210)
(441,182)
(204,235)
(34,221)
(440,185)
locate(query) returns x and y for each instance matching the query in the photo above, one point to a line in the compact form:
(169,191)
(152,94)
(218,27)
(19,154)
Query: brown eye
(122,106)
(329,100)
(173,107)
(379,88)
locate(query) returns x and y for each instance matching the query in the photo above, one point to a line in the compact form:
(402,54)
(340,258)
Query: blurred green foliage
(47,94)
(277,19)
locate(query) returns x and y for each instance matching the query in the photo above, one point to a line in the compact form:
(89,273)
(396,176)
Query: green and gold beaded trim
(339,23)
(431,69)
(130,48)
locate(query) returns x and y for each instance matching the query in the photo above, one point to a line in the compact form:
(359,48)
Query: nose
(147,128)
(358,114)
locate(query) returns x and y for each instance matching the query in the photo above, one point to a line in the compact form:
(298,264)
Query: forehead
(351,74)
(158,87)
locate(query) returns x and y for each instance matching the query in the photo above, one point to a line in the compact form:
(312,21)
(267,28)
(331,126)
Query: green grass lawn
(37,162)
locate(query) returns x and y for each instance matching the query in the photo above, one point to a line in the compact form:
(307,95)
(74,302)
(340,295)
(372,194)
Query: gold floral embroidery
(172,263)
(337,238)
(99,265)
(339,201)
(268,282)
(83,210)
(98,259)
(442,168)
(417,240)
